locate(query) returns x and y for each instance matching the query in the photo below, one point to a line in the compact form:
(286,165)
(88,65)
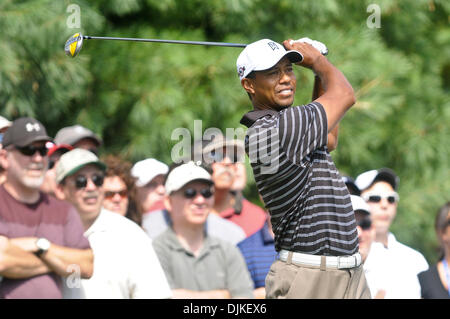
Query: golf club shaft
(220,44)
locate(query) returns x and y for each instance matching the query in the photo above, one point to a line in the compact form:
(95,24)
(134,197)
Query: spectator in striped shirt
(311,212)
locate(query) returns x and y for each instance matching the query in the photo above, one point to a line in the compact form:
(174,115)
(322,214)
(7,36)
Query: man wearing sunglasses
(125,264)
(225,158)
(393,265)
(47,231)
(289,150)
(197,264)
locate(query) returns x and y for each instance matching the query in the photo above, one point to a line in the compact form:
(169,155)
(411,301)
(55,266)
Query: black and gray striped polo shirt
(309,204)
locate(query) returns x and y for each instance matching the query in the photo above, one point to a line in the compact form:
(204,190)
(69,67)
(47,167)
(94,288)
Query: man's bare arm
(332,139)
(60,259)
(15,263)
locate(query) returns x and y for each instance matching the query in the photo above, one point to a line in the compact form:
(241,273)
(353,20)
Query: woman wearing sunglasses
(119,186)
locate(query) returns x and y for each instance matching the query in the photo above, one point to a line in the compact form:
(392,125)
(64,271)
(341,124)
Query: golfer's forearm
(333,81)
(338,95)
(62,259)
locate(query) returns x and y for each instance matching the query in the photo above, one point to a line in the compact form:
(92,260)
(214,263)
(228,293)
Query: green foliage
(134,95)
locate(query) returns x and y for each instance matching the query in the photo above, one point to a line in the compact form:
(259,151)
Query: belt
(339,262)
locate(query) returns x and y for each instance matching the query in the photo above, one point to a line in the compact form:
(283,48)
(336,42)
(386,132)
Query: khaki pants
(292,281)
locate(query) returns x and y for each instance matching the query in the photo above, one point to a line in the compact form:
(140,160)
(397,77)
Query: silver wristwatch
(43,244)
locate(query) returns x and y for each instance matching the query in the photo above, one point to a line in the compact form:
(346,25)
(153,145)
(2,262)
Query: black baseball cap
(24,131)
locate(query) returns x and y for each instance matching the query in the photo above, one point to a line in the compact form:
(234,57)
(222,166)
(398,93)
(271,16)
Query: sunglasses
(110,194)
(376,198)
(30,150)
(364,223)
(81,180)
(220,155)
(191,193)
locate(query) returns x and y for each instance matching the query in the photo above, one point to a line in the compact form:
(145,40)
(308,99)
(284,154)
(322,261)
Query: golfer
(288,146)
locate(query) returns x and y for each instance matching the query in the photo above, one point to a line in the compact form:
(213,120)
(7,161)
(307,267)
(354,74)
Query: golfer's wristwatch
(43,245)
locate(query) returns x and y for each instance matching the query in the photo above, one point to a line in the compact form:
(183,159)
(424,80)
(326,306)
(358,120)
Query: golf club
(75,42)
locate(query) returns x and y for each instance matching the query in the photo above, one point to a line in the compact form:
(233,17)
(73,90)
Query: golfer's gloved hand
(316,44)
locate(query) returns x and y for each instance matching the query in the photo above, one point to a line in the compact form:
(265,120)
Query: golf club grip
(220,44)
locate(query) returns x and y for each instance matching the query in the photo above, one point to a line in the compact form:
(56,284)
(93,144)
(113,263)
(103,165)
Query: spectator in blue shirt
(259,253)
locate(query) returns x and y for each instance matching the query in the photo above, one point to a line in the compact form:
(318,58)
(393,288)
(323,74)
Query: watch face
(43,244)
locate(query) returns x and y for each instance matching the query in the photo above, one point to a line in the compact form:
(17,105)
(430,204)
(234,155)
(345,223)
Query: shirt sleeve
(239,281)
(74,232)
(302,130)
(147,277)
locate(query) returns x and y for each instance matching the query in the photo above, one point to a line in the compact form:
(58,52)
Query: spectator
(47,232)
(125,264)
(224,156)
(366,236)
(120,191)
(197,265)
(54,153)
(79,137)
(4,125)
(150,174)
(259,253)
(392,265)
(435,282)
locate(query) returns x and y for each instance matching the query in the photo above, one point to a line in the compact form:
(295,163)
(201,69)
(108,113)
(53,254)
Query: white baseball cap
(148,169)
(366,179)
(360,204)
(262,55)
(4,122)
(185,174)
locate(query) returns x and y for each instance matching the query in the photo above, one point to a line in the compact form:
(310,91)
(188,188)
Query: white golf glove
(316,44)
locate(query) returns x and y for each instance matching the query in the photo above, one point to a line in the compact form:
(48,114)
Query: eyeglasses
(191,193)
(30,150)
(219,155)
(110,194)
(364,223)
(81,180)
(376,198)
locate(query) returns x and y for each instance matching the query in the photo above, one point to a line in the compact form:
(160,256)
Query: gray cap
(72,134)
(74,160)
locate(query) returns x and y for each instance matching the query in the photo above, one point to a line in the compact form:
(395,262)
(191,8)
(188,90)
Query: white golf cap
(148,169)
(185,174)
(366,179)
(360,204)
(4,123)
(71,162)
(262,55)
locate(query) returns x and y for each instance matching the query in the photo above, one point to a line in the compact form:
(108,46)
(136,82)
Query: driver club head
(73,45)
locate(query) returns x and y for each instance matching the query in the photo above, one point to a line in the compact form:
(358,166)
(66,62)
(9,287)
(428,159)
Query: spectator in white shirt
(125,263)
(390,264)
